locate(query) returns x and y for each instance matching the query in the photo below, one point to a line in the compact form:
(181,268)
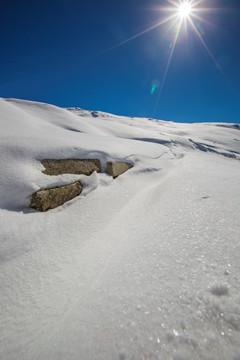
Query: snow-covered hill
(145,266)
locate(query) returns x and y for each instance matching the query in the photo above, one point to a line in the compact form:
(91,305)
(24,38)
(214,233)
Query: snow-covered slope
(145,266)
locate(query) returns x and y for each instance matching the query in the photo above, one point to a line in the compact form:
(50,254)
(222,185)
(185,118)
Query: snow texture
(142,267)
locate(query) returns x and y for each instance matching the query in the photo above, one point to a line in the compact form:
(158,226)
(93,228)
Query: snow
(145,266)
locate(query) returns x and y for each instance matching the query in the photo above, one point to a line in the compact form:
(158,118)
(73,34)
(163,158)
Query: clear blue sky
(54,51)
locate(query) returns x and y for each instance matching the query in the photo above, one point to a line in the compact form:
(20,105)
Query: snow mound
(141,267)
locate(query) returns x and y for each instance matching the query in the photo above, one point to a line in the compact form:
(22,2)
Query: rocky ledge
(117,168)
(71,166)
(46,199)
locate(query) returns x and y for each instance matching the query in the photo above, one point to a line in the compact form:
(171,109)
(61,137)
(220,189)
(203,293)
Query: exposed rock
(44,200)
(117,168)
(71,166)
(94,113)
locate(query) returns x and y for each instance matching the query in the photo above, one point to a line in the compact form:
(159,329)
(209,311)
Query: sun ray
(168,65)
(210,53)
(142,32)
(183,13)
(173,2)
(173,24)
(198,2)
(200,18)
(155,26)
(203,43)
(205,9)
(187,11)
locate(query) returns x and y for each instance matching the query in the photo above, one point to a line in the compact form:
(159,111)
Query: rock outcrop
(44,200)
(71,166)
(117,168)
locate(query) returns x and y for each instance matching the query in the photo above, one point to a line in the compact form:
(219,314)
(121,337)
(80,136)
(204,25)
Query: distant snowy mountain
(145,266)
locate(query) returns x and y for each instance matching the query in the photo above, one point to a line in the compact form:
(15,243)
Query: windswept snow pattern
(145,266)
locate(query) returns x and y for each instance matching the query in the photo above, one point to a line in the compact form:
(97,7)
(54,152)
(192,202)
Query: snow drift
(145,266)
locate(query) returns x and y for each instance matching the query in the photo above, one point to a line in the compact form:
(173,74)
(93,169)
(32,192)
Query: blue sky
(63,52)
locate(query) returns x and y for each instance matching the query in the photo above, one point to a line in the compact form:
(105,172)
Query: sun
(184,9)
(180,14)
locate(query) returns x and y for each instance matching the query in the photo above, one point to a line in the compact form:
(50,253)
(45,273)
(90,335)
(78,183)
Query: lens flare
(153,88)
(181,13)
(185,12)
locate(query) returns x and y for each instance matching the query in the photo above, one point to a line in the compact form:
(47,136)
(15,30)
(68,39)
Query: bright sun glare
(184,9)
(182,14)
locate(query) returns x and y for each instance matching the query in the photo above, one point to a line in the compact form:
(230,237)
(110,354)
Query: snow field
(142,267)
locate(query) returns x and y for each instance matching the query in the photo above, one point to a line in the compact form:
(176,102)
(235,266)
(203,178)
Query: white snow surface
(145,266)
